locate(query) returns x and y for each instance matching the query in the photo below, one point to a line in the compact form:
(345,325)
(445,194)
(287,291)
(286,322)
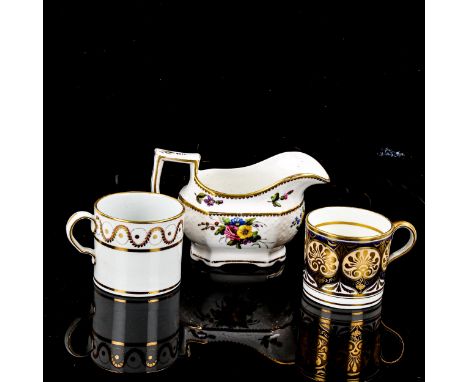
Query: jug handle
(409,244)
(160,156)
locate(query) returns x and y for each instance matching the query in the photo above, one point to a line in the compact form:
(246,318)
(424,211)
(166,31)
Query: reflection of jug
(131,335)
(255,314)
(240,274)
(243,215)
(340,345)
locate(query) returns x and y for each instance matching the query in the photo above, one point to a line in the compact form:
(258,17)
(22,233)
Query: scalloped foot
(261,257)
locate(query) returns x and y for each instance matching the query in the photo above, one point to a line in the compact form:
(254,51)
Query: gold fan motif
(362,263)
(322,258)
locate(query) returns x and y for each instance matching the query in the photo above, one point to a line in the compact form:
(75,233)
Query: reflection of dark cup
(135,335)
(337,344)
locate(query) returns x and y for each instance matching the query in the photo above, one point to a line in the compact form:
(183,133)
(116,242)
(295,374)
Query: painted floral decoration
(207,199)
(236,231)
(298,220)
(277,196)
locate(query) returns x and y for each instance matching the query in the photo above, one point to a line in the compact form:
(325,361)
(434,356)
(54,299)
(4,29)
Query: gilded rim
(137,250)
(351,223)
(233,196)
(216,213)
(97,210)
(381,236)
(260,191)
(153,292)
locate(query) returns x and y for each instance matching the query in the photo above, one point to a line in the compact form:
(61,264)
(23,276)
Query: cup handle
(409,244)
(397,335)
(69,334)
(160,156)
(75,218)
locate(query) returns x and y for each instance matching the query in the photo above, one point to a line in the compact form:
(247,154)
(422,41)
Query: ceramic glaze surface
(346,254)
(336,345)
(134,257)
(130,335)
(243,215)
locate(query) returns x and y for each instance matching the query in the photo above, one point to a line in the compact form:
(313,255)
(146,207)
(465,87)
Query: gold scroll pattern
(354,362)
(321,358)
(385,257)
(147,237)
(330,263)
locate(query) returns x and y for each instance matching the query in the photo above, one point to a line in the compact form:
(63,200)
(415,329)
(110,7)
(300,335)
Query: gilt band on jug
(257,238)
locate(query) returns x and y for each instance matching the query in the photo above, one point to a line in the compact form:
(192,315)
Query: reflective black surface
(238,84)
(229,323)
(235,320)
(250,324)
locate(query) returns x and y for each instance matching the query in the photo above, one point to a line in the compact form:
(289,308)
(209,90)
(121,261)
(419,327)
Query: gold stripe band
(136,300)
(369,304)
(331,293)
(138,221)
(352,314)
(188,204)
(350,223)
(136,293)
(137,250)
(382,236)
(152,301)
(329,235)
(134,344)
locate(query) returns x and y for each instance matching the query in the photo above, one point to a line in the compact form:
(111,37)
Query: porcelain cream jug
(243,215)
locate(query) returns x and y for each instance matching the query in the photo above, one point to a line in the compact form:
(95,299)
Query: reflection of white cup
(137,242)
(347,251)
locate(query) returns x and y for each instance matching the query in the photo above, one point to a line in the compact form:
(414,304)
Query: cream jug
(243,215)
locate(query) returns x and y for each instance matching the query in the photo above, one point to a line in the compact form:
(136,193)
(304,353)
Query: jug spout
(302,167)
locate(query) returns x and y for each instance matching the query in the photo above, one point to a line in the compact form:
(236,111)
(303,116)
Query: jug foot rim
(213,258)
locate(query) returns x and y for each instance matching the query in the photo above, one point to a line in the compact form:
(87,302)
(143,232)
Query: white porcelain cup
(137,242)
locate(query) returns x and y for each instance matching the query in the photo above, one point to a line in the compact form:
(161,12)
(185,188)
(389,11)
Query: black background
(342,82)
